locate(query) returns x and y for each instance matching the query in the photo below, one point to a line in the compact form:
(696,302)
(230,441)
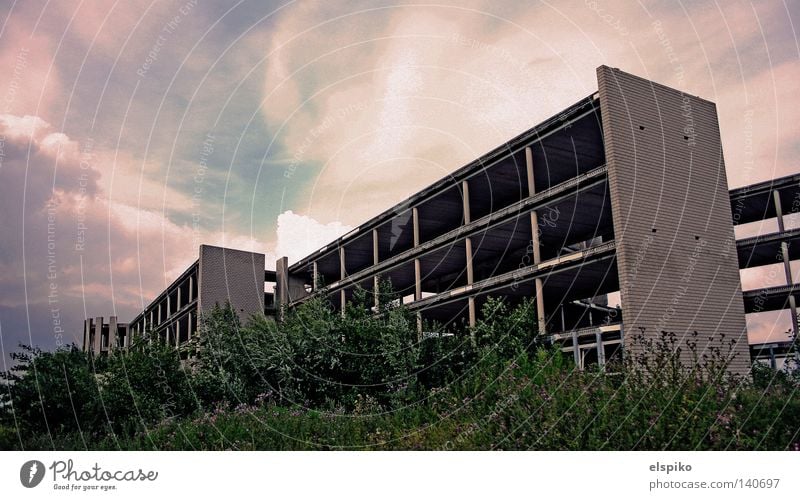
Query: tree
(143,386)
(49,392)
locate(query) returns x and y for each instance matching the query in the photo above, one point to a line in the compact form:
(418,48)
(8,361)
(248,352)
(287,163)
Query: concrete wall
(676,251)
(235,276)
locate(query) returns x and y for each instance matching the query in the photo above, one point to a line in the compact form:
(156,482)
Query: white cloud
(299,235)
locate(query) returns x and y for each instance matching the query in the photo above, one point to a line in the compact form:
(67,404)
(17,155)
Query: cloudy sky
(132,131)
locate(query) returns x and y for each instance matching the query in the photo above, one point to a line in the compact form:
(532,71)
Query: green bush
(318,357)
(365,380)
(49,393)
(143,386)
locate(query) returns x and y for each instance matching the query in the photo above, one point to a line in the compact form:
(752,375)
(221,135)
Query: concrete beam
(592,255)
(588,181)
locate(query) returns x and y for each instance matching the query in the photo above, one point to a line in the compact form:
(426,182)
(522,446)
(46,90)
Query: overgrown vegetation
(323,380)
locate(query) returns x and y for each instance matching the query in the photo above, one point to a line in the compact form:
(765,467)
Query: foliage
(539,402)
(144,386)
(505,330)
(319,357)
(46,393)
(366,379)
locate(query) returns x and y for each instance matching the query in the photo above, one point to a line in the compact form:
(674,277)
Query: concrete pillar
(177,331)
(465,195)
(87,325)
(191,288)
(417,271)
(537,257)
(417,266)
(314,276)
(112,333)
(180,304)
(98,335)
(776,198)
(470,267)
(342,275)
(787,264)
(417,280)
(470,281)
(415,216)
(601,353)
(282,286)
(468,251)
(375,259)
(576,350)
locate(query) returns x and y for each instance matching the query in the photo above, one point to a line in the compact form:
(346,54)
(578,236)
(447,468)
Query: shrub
(47,393)
(143,386)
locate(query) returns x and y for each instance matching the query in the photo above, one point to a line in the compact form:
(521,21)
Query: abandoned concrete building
(614,216)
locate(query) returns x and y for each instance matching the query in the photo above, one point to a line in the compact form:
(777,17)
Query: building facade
(218,276)
(620,199)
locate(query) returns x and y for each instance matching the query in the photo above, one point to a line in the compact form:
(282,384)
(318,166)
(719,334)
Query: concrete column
(776,198)
(465,195)
(87,325)
(468,246)
(98,335)
(415,217)
(282,286)
(342,275)
(342,270)
(177,331)
(601,353)
(787,264)
(576,350)
(417,280)
(191,288)
(314,276)
(376,280)
(112,333)
(417,266)
(470,281)
(537,257)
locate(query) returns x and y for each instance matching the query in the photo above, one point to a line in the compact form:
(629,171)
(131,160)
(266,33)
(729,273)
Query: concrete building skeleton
(623,192)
